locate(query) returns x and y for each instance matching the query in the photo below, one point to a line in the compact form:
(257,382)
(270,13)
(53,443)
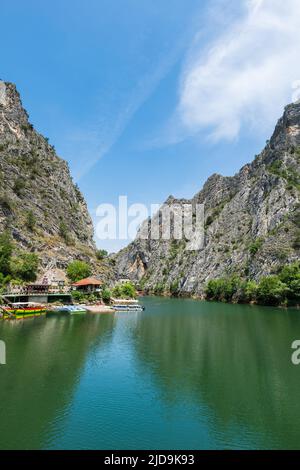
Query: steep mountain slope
(39,203)
(251,223)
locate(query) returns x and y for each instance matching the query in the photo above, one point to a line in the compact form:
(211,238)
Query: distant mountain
(39,203)
(252,223)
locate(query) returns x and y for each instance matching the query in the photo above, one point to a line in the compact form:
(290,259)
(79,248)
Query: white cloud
(245,75)
(98,142)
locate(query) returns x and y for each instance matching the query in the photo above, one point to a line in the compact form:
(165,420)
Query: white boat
(128,308)
(78,310)
(71,309)
(122,305)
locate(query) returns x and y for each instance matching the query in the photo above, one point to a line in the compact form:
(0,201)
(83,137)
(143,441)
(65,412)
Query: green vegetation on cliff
(17,268)
(280,289)
(124,291)
(77,270)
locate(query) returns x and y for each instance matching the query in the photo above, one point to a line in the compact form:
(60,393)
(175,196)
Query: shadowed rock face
(259,206)
(35,181)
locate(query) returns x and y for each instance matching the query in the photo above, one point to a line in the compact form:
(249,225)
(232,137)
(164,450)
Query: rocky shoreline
(252,224)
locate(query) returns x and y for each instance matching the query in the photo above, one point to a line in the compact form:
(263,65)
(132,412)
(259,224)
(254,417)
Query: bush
(77,296)
(6,203)
(19,186)
(290,275)
(296,242)
(25,266)
(128,290)
(212,289)
(92,297)
(64,233)
(255,246)
(117,292)
(4,280)
(174,288)
(106,295)
(124,291)
(223,289)
(250,291)
(30,220)
(78,270)
(159,289)
(246,292)
(101,254)
(6,248)
(271,291)
(22,267)
(63,230)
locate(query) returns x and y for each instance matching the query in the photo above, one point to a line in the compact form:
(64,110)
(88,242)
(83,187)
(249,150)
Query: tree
(4,280)
(246,292)
(128,290)
(101,254)
(290,275)
(250,290)
(117,292)
(255,246)
(77,270)
(124,291)
(223,289)
(30,220)
(174,287)
(271,291)
(25,266)
(19,186)
(211,289)
(78,296)
(159,289)
(106,295)
(6,248)
(63,230)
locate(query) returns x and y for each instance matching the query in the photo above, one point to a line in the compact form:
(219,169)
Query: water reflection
(45,360)
(182,374)
(233,359)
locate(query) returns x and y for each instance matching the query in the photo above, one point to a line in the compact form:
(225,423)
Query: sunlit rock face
(2,94)
(251,223)
(34,180)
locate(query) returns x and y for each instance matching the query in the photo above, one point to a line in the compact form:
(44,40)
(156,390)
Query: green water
(182,374)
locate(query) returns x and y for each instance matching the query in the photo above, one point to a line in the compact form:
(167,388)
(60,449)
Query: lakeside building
(45,292)
(50,287)
(38,293)
(88,285)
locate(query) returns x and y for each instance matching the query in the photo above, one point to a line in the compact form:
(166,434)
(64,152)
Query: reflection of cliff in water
(45,359)
(234,359)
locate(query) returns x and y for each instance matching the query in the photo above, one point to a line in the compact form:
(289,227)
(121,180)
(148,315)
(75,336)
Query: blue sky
(146,98)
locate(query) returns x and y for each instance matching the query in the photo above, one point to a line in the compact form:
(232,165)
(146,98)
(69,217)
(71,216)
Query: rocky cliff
(251,223)
(39,203)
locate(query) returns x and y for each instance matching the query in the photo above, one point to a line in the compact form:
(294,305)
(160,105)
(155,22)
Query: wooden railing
(25,291)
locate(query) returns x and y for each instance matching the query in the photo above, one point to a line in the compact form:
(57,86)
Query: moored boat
(23,310)
(71,309)
(124,305)
(77,310)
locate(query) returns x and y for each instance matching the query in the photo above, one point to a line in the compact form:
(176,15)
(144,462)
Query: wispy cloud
(245,74)
(97,141)
(103,138)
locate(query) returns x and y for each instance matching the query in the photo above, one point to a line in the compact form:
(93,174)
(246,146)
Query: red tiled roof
(89,281)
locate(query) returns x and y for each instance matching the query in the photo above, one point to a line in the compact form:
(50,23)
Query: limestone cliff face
(39,203)
(252,223)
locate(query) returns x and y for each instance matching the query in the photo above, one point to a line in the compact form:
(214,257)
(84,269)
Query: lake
(183,374)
